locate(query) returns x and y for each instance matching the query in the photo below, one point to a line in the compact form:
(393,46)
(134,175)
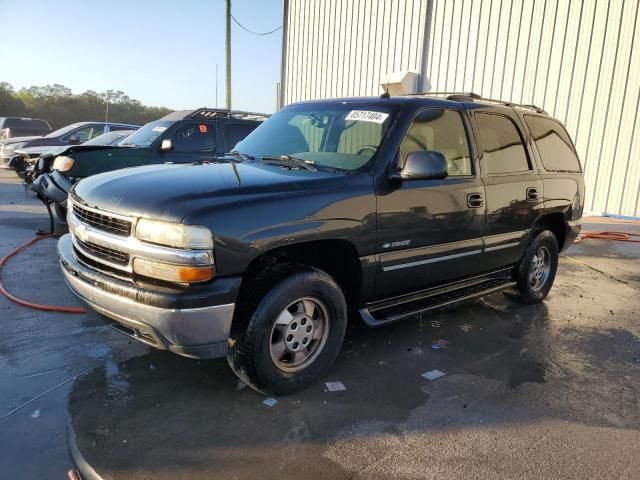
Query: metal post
(227,46)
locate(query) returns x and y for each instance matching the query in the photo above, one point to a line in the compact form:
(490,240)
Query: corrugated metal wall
(343,47)
(580,60)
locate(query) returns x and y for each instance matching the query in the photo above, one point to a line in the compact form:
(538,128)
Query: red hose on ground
(615,236)
(37,306)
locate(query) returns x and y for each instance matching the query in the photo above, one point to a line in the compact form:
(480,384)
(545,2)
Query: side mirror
(423,165)
(166,145)
(74,140)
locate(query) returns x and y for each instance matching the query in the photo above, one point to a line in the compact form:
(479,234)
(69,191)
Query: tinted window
(86,133)
(502,144)
(234,133)
(26,123)
(441,131)
(193,137)
(553,143)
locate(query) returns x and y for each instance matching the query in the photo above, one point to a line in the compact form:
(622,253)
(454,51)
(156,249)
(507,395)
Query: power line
(250,31)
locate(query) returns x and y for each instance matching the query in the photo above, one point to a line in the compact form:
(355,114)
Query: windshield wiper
(245,157)
(289,161)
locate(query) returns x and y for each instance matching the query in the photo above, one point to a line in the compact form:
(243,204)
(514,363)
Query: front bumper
(195,325)
(53,186)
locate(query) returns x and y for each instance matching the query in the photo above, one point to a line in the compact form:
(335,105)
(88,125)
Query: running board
(399,308)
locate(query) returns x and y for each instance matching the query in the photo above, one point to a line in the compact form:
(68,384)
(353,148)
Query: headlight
(63,164)
(172,273)
(174,234)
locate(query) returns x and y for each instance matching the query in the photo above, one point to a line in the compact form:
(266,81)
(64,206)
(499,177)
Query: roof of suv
(435,98)
(211,113)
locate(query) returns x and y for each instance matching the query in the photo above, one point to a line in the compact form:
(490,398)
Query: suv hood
(170,192)
(47,152)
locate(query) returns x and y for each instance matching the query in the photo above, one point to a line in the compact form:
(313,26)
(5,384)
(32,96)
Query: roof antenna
(386,91)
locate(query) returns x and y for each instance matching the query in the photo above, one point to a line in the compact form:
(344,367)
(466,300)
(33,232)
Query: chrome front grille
(108,223)
(105,241)
(104,253)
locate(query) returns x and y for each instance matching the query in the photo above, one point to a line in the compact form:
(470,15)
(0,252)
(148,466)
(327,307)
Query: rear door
(430,231)
(512,184)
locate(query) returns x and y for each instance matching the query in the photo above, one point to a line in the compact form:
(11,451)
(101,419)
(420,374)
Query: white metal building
(579,60)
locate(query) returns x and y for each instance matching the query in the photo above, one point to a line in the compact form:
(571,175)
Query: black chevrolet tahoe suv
(382,207)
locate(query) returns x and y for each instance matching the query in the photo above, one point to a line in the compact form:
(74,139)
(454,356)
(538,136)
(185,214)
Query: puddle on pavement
(160,398)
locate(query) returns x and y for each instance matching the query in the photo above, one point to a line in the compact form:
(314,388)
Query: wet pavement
(542,391)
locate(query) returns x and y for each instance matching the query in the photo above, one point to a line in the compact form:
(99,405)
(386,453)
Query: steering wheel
(367,147)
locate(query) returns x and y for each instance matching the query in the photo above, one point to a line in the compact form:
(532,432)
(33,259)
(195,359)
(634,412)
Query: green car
(186,136)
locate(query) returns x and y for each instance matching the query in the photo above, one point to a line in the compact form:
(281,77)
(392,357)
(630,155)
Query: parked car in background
(73,134)
(11,127)
(386,207)
(35,166)
(180,137)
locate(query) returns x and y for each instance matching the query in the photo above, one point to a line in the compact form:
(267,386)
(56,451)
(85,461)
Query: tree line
(59,106)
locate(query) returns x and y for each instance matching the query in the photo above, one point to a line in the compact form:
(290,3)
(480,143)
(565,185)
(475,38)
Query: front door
(191,142)
(513,188)
(430,231)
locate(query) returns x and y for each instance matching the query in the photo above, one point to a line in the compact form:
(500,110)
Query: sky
(163,53)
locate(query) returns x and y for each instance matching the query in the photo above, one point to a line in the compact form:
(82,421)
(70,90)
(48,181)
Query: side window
(441,131)
(502,144)
(554,144)
(234,133)
(87,133)
(193,137)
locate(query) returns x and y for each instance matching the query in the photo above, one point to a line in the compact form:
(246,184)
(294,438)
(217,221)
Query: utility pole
(227,47)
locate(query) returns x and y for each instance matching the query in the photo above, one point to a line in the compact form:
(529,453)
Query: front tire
(293,335)
(538,268)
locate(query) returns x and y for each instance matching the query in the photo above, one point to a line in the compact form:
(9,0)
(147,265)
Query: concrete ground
(542,391)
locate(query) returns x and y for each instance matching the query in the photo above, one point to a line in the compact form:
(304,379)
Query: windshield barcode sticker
(367,116)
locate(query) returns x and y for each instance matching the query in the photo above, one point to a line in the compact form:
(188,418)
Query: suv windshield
(146,135)
(335,135)
(111,138)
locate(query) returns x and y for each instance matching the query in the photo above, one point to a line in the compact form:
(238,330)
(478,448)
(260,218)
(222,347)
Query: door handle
(532,194)
(475,200)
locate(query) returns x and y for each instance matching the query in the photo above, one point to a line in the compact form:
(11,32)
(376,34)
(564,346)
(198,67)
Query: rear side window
(442,131)
(553,144)
(504,151)
(234,133)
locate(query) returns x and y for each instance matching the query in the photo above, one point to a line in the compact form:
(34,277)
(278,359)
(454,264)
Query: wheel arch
(337,257)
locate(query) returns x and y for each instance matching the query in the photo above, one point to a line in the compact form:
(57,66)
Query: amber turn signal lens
(173,273)
(195,274)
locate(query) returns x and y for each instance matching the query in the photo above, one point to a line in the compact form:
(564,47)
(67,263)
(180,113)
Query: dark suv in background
(22,127)
(384,207)
(181,137)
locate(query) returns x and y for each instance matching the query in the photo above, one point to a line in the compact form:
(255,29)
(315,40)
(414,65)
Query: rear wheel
(537,270)
(293,335)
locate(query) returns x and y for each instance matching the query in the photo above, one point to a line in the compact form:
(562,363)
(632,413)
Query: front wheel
(293,335)
(538,267)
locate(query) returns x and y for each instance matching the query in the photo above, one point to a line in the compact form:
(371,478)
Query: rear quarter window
(504,151)
(554,144)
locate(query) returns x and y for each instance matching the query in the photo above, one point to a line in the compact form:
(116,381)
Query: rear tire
(293,335)
(538,267)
